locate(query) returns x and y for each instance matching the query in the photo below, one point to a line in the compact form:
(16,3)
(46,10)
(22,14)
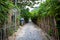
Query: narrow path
(31,32)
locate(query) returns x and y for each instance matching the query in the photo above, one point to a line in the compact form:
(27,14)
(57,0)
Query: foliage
(5,6)
(23,3)
(34,15)
(50,8)
(25,14)
(10,31)
(50,32)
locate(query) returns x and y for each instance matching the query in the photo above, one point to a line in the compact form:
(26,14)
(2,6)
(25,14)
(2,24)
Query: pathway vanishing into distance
(30,32)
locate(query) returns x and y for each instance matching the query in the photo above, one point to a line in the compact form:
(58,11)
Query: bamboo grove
(47,17)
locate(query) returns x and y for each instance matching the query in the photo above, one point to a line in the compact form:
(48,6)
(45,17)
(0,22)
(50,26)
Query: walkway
(30,32)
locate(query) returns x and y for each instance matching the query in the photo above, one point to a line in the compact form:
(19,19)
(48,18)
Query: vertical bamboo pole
(15,14)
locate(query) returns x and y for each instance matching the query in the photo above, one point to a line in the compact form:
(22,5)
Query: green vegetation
(25,14)
(5,6)
(50,32)
(10,31)
(48,10)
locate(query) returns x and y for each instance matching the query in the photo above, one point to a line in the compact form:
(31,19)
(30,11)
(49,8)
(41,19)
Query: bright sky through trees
(35,5)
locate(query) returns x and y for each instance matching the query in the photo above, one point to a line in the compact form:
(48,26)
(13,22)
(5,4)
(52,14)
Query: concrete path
(30,32)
